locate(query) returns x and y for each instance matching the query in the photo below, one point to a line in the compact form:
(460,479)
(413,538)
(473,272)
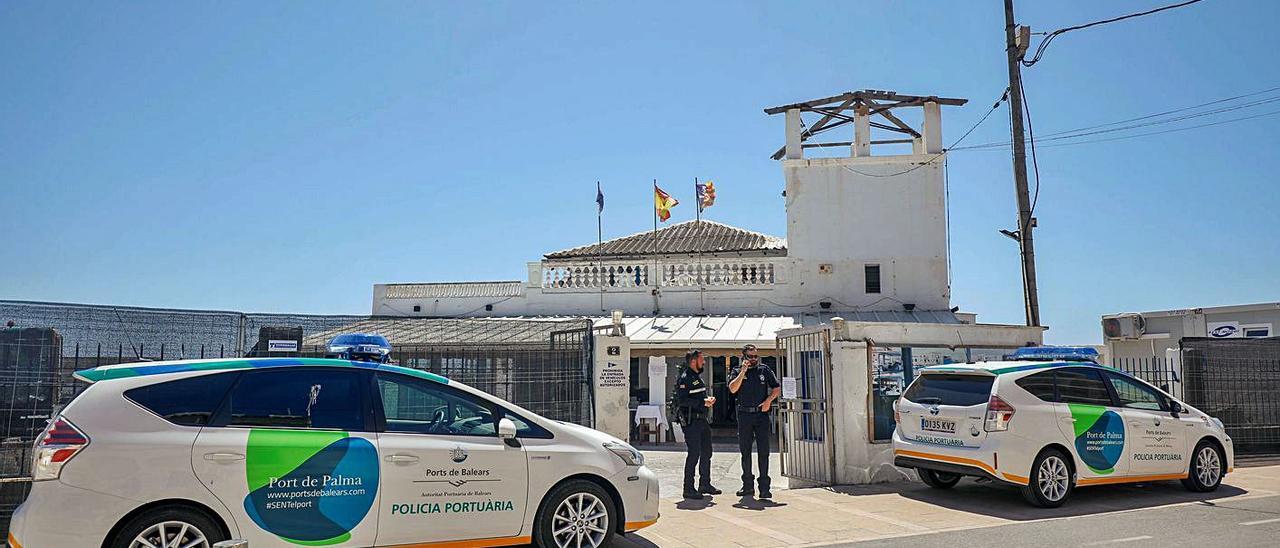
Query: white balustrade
(708,273)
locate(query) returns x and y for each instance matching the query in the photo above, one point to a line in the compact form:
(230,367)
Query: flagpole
(654,274)
(702,290)
(600,277)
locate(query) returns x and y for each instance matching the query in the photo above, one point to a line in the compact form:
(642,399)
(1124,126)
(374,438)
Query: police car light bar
(1049,353)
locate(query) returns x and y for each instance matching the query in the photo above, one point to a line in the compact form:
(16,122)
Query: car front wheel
(576,514)
(1207,464)
(1050,483)
(939,480)
(169,526)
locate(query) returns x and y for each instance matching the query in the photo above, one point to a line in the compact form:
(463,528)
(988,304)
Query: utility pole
(1015,48)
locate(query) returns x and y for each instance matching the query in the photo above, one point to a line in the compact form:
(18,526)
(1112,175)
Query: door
(1157,437)
(1089,418)
(445,473)
(292,456)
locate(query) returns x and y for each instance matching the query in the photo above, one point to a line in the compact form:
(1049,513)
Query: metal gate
(805,430)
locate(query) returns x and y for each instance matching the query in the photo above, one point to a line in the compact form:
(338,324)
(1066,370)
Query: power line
(1049,38)
(1084,131)
(1035,163)
(1147,134)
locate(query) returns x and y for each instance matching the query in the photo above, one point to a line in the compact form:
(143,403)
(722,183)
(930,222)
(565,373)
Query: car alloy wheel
(580,520)
(1053,478)
(170,534)
(1208,466)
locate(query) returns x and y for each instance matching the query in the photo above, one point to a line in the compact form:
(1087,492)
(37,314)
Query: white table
(656,414)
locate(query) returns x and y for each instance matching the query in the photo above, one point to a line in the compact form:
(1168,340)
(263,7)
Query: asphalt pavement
(1239,522)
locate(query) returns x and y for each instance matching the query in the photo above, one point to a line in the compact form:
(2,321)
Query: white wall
(612,379)
(839,213)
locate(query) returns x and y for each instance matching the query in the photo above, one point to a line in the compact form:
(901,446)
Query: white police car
(1052,420)
(319,452)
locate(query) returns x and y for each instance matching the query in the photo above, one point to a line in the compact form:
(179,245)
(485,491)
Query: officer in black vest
(695,401)
(757,387)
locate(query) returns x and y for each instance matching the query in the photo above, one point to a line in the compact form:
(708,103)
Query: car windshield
(946,389)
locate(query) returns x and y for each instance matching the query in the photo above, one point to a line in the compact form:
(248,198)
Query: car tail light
(999,412)
(897,417)
(59,442)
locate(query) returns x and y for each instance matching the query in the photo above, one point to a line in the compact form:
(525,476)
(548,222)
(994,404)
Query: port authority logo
(1223,331)
(458,454)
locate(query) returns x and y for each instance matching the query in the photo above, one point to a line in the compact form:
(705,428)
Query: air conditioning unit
(1124,326)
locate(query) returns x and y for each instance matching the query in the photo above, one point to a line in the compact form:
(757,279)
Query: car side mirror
(1176,408)
(507,432)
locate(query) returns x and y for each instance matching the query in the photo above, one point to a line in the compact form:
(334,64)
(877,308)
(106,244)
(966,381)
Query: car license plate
(945,426)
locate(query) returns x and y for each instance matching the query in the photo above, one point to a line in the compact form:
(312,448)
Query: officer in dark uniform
(757,387)
(695,401)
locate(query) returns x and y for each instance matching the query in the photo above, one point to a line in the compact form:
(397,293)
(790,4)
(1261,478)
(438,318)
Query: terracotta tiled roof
(689,237)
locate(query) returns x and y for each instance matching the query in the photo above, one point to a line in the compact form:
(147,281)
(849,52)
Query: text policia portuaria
(452,507)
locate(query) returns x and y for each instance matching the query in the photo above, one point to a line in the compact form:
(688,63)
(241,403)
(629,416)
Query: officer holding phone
(757,388)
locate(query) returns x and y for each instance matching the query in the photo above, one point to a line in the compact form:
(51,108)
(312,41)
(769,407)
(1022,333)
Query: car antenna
(127,336)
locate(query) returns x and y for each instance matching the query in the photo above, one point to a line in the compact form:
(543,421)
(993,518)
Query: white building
(866,241)
(1136,335)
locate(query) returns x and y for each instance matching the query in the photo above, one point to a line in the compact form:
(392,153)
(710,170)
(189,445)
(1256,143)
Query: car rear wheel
(939,480)
(1050,483)
(576,514)
(169,526)
(1207,464)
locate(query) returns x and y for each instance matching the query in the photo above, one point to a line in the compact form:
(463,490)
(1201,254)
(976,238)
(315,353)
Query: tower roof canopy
(689,237)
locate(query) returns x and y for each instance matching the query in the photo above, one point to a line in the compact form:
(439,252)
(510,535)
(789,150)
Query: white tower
(867,232)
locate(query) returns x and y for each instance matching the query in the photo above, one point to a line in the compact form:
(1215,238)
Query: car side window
(1080,385)
(331,399)
(1135,395)
(186,402)
(419,406)
(1039,385)
(526,429)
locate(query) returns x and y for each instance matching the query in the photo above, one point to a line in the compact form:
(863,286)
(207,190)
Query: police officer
(757,387)
(695,403)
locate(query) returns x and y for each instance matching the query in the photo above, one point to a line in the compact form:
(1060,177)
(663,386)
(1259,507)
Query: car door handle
(402,458)
(223,457)
(1068,419)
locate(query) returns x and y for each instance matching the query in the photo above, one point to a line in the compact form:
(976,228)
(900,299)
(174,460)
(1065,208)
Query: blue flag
(599,199)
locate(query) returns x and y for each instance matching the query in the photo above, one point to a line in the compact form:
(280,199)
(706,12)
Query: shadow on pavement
(689,504)
(752,503)
(1006,502)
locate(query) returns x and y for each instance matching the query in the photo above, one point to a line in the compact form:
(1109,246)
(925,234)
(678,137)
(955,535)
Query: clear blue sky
(286,156)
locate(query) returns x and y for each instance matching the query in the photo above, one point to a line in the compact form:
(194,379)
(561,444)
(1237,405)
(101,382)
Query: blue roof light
(1050,353)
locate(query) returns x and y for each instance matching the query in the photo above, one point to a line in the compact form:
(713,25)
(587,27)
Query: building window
(872,272)
(1256,331)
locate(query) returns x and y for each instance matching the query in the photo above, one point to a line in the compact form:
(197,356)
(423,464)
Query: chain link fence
(1236,380)
(543,365)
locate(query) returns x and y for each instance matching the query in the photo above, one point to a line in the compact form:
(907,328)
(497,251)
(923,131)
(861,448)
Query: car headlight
(627,453)
(1218,423)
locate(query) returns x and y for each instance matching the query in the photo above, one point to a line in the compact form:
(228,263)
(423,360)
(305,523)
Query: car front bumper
(638,488)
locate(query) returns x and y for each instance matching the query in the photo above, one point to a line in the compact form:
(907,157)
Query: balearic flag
(663,202)
(706,195)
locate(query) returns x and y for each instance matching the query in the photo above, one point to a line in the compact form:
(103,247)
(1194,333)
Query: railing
(710,273)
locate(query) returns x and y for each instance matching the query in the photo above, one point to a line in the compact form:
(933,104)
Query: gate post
(612,382)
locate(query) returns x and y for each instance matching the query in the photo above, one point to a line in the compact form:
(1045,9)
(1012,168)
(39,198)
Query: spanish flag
(663,202)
